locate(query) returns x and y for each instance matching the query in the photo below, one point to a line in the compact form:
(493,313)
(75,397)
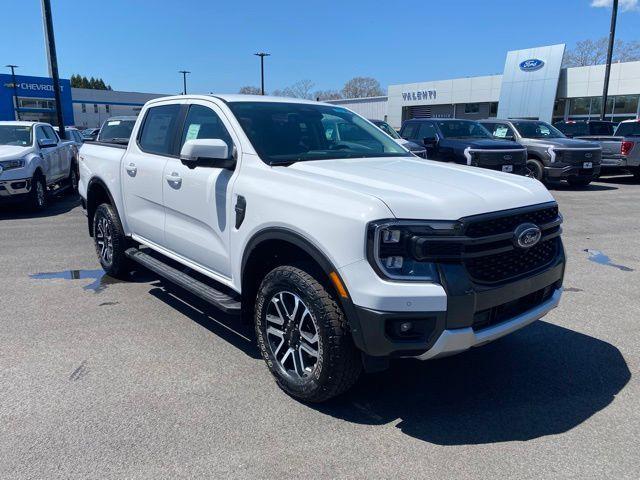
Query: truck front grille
(507,223)
(578,157)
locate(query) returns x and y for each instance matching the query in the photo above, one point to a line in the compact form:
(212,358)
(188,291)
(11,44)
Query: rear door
(198,200)
(143,171)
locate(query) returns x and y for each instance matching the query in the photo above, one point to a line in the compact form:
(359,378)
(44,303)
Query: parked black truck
(465,142)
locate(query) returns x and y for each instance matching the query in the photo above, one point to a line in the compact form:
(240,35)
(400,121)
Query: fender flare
(92,183)
(295,238)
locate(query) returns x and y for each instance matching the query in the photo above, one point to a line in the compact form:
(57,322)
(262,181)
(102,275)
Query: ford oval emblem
(531,65)
(588,155)
(527,235)
(507,157)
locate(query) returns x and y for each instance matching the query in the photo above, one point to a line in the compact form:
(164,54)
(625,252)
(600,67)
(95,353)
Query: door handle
(174,178)
(132,169)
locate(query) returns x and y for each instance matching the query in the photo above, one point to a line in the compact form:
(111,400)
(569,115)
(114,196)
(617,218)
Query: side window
(202,122)
(427,130)
(157,131)
(410,130)
(51,134)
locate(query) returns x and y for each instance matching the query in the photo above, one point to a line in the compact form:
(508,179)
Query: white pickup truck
(33,162)
(342,253)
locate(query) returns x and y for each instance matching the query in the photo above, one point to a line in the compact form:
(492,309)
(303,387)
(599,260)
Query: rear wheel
(303,337)
(579,182)
(110,241)
(38,194)
(534,169)
(73,178)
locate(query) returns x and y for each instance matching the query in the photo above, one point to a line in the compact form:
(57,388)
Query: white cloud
(625,5)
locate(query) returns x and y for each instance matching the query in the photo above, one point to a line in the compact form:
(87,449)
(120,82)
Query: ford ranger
(33,162)
(465,142)
(551,155)
(343,253)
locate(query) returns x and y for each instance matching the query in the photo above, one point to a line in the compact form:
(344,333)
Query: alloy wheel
(292,334)
(40,193)
(104,240)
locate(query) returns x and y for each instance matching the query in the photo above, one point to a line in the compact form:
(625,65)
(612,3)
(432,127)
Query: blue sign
(531,65)
(35,97)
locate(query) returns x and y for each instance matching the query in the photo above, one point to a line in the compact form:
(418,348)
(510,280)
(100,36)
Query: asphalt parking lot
(108,379)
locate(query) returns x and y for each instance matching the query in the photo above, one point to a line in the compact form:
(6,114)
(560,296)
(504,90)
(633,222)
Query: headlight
(398,250)
(11,164)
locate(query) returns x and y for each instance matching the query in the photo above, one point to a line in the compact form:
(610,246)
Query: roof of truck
(21,123)
(238,97)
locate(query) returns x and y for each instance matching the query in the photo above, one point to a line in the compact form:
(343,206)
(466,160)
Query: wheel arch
(97,193)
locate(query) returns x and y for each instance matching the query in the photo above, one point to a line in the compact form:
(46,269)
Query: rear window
(628,129)
(116,130)
(573,129)
(601,128)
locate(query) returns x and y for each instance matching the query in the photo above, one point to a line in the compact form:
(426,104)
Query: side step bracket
(223,301)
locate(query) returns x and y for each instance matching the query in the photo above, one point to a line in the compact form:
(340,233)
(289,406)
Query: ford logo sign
(527,235)
(588,155)
(531,65)
(507,157)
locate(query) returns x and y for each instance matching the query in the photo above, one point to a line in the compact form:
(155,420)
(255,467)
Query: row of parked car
(526,147)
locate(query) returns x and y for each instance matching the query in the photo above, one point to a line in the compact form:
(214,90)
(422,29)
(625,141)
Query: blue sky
(140,45)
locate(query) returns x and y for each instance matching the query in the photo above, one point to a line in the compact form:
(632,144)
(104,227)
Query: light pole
(53,62)
(184,80)
(262,55)
(607,72)
(15,89)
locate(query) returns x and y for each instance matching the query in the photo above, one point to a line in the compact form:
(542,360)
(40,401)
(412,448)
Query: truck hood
(428,190)
(561,143)
(488,144)
(10,152)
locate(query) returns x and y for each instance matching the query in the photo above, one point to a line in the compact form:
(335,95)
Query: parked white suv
(33,162)
(343,253)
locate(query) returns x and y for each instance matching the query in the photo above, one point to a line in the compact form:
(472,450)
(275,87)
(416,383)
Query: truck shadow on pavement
(592,187)
(58,205)
(543,380)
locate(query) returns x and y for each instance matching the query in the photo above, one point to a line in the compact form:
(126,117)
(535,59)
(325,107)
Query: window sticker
(501,132)
(192,132)
(113,123)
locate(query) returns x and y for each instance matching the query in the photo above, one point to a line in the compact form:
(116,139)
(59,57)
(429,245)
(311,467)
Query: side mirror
(47,143)
(207,152)
(509,137)
(430,141)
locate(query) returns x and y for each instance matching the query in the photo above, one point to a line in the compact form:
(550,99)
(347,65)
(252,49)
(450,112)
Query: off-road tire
(339,362)
(535,169)
(107,227)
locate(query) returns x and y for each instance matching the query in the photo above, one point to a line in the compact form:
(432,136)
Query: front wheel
(38,193)
(534,169)
(110,241)
(303,337)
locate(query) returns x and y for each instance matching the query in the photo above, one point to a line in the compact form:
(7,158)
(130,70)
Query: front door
(143,172)
(197,200)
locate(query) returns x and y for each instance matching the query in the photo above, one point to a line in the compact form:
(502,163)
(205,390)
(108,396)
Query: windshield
(386,128)
(292,132)
(19,135)
(116,130)
(463,129)
(628,129)
(537,130)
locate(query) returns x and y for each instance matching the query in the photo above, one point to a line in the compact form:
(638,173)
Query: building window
(596,106)
(579,106)
(625,104)
(493,109)
(558,108)
(471,108)
(95,108)
(84,107)
(107,108)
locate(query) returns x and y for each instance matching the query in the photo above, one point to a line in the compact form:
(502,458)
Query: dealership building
(533,85)
(32,98)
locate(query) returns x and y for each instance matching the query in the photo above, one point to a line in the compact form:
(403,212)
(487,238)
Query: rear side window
(158,129)
(202,122)
(410,130)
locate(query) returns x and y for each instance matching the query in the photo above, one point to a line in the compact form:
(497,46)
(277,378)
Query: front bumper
(13,189)
(472,314)
(566,171)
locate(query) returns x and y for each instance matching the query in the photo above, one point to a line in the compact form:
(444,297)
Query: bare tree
(249,90)
(300,89)
(359,87)
(594,52)
(324,95)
